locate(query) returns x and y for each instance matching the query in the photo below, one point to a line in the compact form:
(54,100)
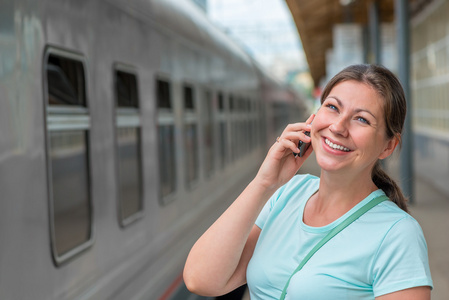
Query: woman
(268,230)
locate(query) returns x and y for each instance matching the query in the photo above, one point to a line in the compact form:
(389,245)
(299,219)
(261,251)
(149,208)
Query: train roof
(186,20)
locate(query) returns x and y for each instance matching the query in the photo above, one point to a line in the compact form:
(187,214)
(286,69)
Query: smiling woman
(384,90)
(351,119)
(348,231)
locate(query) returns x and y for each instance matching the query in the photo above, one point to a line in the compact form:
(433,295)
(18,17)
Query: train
(126,128)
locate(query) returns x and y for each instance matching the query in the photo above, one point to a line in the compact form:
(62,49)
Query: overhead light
(346,2)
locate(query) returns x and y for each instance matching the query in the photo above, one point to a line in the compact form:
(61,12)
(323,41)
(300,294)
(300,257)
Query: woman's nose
(339,126)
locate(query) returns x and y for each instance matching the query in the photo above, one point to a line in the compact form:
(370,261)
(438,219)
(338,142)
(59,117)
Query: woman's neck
(345,189)
(337,194)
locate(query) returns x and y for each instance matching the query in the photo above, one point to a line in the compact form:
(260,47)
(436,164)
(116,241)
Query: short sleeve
(401,261)
(263,216)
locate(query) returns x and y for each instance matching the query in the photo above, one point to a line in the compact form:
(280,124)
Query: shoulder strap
(334,232)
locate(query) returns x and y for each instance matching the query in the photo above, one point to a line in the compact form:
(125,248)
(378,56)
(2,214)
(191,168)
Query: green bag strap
(334,232)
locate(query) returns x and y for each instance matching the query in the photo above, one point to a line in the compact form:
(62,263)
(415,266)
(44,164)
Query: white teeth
(335,146)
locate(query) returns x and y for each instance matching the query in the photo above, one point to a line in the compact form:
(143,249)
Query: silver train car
(126,128)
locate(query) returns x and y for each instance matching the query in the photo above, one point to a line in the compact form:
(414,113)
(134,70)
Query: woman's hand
(280,165)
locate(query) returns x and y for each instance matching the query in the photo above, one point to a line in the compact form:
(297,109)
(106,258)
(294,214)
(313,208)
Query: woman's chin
(330,165)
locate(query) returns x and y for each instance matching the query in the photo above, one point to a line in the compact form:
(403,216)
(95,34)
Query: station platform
(431,210)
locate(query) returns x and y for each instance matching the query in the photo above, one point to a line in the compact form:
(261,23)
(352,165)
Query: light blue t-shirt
(381,252)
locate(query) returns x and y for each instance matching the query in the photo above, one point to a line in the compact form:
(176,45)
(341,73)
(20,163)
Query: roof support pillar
(375,39)
(375,31)
(403,40)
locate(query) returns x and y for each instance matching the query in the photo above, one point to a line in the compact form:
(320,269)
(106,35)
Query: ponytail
(389,186)
(387,85)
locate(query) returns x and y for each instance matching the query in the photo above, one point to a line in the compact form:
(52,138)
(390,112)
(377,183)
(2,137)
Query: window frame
(128,117)
(222,140)
(66,118)
(165,116)
(190,118)
(208,117)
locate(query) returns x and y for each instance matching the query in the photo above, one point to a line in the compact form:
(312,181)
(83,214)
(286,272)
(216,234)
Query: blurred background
(334,34)
(304,43)
(128,127)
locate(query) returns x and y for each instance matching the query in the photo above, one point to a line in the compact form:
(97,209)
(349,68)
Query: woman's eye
(363,120)
(332,107)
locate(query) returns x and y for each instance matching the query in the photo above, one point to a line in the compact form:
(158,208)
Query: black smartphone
(303,146)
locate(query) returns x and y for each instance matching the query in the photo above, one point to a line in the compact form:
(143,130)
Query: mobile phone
(303,146)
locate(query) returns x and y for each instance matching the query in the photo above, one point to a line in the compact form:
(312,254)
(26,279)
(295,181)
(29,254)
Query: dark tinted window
(128,143)
(68,156)
(220,101)
(231,103)
(208,132)
(70,189)
(190,138)
(163,94)
(223,130)
(130,179)
(167,160)
(222,148)
(65,78)
(188,98)
(166,141)
(126,89)
(191,153)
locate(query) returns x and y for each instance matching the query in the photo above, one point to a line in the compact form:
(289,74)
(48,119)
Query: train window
(231,103)
(261,124)
(223,144)
(208,136)
(222,131)
(220,101)
(166,141)
(69,167)
(190,137)
(68,126)
(128,145)
(239,129)
(232,128)
(65,78)
(126,89)
(252,123)
(247,116)
(163,94)
(188,98)
(167,169)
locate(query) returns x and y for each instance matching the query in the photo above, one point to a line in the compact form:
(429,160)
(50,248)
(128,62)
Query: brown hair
(387,85)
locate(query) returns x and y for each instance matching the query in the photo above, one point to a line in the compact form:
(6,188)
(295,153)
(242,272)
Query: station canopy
(315,20)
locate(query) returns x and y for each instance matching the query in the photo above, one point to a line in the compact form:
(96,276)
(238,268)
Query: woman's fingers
(301,126)
(296,136)
(294,133)
(288,144)
(296,127)
(310,119)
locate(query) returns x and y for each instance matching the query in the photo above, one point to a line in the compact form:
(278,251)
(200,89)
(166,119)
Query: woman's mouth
(336,146)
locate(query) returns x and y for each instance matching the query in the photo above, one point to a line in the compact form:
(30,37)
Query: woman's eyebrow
(336,99)
(340,103)
(365,110)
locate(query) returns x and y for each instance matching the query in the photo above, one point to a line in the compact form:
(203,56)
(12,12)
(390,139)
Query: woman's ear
(391,145)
